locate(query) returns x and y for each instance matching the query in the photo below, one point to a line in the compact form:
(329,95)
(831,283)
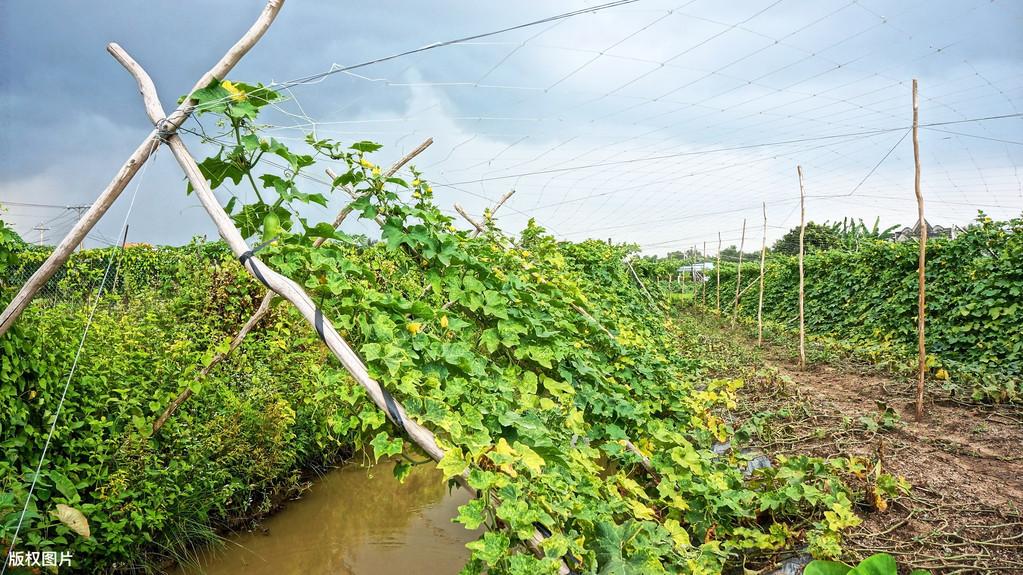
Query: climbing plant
(867,299)
(537,364)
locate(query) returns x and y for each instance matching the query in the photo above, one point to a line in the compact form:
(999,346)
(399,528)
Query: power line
(725,149)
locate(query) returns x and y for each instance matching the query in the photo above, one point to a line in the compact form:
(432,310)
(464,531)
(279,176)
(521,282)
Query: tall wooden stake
(921,263)
(760,300)
(802,235)
(167,125)
(738,273)
(718,268)
(703,270)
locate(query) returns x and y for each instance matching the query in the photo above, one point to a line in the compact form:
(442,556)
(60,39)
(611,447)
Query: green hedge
(868,298)
(275,407)
(135,269)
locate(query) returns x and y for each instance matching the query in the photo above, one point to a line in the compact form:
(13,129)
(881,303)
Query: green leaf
(490,340)
(64,485)
(366,146)
(612,558)
(452,464)
(472,514)
(401,470)
(383,446)
(821,567)
(490,548)
(879,564)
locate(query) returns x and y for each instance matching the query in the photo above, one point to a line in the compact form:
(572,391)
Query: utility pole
(40,229)
(79,210)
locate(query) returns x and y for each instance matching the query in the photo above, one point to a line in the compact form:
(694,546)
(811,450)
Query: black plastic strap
(392,408)
(251,253)
(256,272)
(318,323)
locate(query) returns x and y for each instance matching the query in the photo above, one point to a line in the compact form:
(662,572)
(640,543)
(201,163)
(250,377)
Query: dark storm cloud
(71,115)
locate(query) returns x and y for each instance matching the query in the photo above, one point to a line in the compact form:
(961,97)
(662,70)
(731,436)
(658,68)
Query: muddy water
(354,521)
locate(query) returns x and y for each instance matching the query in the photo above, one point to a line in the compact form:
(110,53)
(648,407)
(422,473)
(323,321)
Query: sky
(659,123)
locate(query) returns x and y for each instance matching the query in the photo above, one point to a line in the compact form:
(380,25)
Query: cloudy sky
(659,123)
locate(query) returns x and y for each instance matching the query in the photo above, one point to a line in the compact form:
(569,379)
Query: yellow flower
(416,182)
(365,163)
(444,321)
(236,94)
(376,170)
(414,327)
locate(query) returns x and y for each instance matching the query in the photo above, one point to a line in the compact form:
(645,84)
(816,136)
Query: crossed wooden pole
(167,125)
(165,131)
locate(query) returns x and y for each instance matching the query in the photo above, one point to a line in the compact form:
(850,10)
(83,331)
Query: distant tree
(851,232)
(689,254)
(731,254)
(817,238)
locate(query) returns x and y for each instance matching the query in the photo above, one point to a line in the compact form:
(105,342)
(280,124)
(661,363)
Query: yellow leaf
(502,448)
(74,519)
(679,535)
(641,511)
(531,459)
(879,501)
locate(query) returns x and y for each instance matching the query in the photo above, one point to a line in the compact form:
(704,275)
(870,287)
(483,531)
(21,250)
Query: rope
(74,366)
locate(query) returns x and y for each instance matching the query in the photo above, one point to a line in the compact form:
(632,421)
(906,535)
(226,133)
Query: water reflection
(354,521)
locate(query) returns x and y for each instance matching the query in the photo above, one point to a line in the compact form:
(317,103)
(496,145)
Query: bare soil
(964,513)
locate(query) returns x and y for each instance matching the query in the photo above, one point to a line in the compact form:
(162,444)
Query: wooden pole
(479,227)
(264,306)
(340,218)
(738,272)
(293,292)
(718,267)
(760,300)
(921,262)
(704,266)
(640,282)
(802,233)
(166,125)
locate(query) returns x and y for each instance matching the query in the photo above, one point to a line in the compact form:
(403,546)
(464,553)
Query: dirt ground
(964,461)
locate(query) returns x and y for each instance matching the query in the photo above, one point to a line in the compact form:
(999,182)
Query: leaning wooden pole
(921,263)
(738,273)
(760,299)
(461,211)
(264,306)
(165,126)
(291,291)
(802,249)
